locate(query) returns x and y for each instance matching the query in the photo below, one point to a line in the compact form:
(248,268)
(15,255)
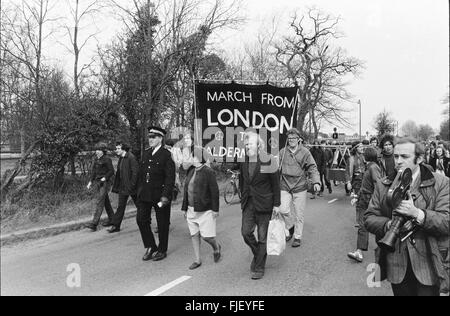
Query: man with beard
(419,266)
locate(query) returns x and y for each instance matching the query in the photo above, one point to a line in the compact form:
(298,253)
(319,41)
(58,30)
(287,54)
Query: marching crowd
(418,266)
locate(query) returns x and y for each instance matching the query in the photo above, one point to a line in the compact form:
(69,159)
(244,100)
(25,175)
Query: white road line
(167,287)
(332,201)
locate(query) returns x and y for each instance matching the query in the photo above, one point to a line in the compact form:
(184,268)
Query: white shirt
(156,150)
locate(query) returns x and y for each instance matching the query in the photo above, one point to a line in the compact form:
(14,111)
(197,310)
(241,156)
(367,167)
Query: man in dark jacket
(101,175)
(419,266)
(328,154)
(321,161)
(156,181)
(124,183)
(259,183)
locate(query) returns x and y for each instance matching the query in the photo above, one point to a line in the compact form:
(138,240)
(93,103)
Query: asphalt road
(112,265)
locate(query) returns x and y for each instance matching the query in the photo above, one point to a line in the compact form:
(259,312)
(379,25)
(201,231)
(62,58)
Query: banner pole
(292,122)
(196,127)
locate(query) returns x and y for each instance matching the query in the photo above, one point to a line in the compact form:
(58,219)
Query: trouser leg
(262,222)
(248,228)
(163,220)
(143,219)
(102,201)
(120,213)
(285,209)
(363,234)
(299,207)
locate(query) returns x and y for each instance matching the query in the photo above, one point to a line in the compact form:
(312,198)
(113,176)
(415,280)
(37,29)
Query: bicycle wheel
(228,194)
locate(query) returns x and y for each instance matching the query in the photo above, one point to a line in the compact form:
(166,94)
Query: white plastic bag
(276,236)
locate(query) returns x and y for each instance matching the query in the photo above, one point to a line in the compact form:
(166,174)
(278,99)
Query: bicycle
(231,190)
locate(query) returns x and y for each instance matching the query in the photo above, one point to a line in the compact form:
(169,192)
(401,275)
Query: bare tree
(425,131)
(319,70)
(410,128)
(260,54)
(78,14)
(166,42)
(25,28)
(384,123)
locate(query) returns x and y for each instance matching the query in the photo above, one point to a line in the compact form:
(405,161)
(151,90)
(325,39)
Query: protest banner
(226,111)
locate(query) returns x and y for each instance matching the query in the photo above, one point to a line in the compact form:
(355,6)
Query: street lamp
(360,134)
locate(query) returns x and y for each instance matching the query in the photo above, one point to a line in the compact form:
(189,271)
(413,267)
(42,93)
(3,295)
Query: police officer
(156,182)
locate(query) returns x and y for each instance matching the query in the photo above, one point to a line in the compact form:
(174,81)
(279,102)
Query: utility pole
(360,134)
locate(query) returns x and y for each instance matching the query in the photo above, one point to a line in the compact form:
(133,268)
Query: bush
(42,203)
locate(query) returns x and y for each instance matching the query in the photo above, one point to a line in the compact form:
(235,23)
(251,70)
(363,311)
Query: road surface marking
(332,201)
(167,287)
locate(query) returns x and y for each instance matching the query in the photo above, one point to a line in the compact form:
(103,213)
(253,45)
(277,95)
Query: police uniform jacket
(156,178)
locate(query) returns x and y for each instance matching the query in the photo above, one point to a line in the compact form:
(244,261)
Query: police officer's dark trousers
(143,219)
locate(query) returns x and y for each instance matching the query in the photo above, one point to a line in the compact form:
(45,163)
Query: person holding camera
(419,266)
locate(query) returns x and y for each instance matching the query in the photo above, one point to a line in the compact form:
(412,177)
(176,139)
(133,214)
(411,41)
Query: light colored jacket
(296,168)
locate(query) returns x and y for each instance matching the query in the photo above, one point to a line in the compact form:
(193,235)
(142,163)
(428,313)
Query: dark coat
(328,157)
(430,254)
(206,190)
(263,187)
(126,178)
(369,181)
(320,159)
(102,168)
(384,166)
(156,178)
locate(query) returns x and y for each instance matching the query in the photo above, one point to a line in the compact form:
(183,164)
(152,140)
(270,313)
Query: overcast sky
(404,43)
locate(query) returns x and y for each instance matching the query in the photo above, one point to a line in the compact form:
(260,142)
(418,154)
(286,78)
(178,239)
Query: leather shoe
(149,254)
(113,230)
(257,275)
(195,265)
(107,224)
(218,254)
(160,256)
(288,238)
(357,256)
(92,227)
(297,243)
